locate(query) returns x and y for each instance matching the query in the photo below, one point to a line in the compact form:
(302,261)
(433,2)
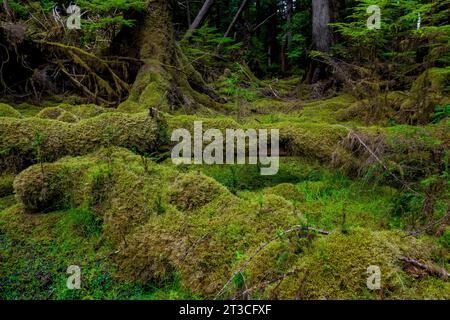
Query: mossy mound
(310,140)
(68,117)
(28,110)
(335,267)
(194,190)
(409,152)
(204,247)
(305,139)
(165,225)
(22,141)
(8,111)
(286,190)
(85,111)
(50,113)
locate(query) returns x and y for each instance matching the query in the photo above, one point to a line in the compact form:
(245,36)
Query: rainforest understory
(86,177)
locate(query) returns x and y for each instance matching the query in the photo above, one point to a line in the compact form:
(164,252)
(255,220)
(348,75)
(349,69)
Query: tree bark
(188,13)
(321,37)
(201,15)
(321,19)
(166,80)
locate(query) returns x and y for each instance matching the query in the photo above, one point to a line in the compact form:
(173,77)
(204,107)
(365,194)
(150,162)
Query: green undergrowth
(141,230)
(88,186)
(36,251)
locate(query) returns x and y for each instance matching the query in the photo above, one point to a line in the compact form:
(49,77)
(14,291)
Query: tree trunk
(188,13)
(321,34)
(288,36)
(201,15)
(321,30)
(166,80)
(236,17)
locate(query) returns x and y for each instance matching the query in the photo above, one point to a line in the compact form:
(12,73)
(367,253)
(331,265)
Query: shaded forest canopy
(86,178)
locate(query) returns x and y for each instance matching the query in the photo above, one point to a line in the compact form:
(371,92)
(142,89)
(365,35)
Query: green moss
(67,117)
(36,251)
(313,141)
(85,111)
(7,202)
(287,191)
(335,267)
(6,185)
(438,80)
(47,187)
(28,110)
(194,190)
(50,113)
(137,132)
(8,111)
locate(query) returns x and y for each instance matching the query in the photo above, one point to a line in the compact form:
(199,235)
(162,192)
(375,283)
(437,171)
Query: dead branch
(434,271)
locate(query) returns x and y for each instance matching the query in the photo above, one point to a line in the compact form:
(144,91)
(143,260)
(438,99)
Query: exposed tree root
(93,75)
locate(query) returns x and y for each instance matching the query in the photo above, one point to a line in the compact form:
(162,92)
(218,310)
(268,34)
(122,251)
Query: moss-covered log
(27,141)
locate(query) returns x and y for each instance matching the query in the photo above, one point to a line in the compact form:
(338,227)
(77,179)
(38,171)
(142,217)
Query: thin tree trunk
(201,15)
(188,13)
(236,17)
(288,36)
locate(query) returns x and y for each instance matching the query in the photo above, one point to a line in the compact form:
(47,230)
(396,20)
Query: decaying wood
(434,271)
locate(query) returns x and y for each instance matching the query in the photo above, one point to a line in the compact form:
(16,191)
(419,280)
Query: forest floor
(142,228)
